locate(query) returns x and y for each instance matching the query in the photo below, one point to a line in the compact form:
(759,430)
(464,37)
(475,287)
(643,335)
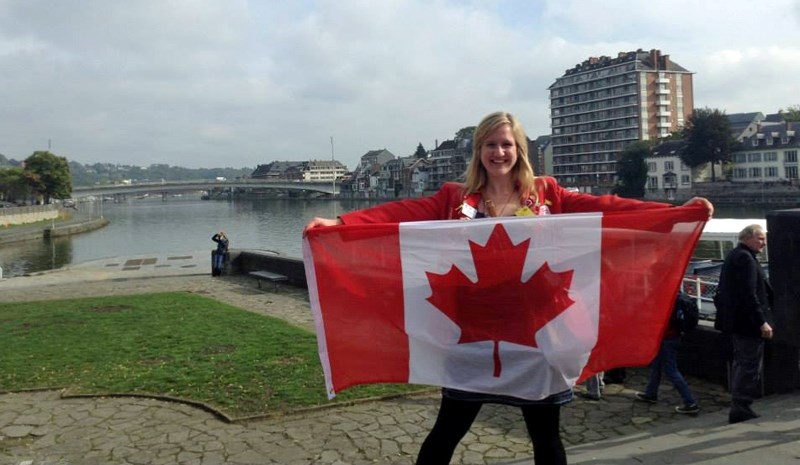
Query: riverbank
(57,228)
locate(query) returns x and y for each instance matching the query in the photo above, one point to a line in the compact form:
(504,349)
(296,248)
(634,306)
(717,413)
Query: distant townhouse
(278,170)
(668,178)
(448,162)
(389,179)
(364,180)
(601,105)
(745,124)
(768,155)
(415,176)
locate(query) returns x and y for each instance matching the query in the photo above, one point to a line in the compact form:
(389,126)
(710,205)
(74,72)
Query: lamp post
(333,171)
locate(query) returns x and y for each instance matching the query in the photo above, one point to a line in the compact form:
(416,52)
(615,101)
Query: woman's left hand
(701,201)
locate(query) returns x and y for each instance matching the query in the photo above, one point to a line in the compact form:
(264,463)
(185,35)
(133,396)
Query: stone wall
(245,261)
(24,215)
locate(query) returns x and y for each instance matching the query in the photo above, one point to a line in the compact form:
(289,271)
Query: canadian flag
(523,306)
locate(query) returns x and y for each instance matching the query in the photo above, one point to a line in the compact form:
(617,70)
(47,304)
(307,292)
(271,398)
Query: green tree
(13,184)
(420,153)
(48,175)
(632,170)
(791,113)
(465,133)
(708,139)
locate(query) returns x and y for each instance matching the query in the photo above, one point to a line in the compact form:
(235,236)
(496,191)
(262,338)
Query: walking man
(743,304)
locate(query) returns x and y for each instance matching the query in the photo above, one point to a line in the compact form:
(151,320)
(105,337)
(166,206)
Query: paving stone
(383,432)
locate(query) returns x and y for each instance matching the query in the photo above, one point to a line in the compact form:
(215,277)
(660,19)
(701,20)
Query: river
(186,224)
(179,224)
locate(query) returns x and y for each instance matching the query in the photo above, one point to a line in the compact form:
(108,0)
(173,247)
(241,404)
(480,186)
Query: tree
(420,153)
(48,175)
(632,170)
(465,133)
(708,139)
(791,113)
(13,184)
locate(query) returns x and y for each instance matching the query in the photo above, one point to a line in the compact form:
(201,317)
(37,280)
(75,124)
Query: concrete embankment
(55,229)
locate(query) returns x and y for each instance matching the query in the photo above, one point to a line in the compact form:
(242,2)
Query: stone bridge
(165,187)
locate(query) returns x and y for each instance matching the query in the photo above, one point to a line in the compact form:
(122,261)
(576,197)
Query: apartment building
(601,105)
(323,170)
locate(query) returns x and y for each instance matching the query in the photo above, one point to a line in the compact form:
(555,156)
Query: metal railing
(702,289)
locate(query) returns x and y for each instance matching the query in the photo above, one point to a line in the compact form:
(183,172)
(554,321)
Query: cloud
(203,83)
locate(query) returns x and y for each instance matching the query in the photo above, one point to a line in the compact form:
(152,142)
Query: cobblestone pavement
(38,428)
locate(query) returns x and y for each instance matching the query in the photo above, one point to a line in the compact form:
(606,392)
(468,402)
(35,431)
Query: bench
(274,278)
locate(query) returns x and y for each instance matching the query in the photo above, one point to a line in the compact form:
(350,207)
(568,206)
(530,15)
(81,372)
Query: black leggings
(456,416)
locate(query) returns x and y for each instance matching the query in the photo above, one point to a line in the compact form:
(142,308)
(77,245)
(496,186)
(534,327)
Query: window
(770,156)
(651,166)
(739,173)
(754,157)
(771,172)
(669,165)
(790,156)
(685,181)
(652,182)
(754,172)
(791,172)
(739,157)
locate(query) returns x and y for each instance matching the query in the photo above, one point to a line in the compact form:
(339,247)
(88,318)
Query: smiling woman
(499,182)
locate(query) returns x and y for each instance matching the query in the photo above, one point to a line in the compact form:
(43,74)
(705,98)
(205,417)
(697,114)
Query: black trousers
(456,417)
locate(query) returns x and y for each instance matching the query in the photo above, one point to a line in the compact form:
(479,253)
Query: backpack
(685,315)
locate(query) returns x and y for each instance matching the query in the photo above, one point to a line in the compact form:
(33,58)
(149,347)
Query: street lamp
(333,171)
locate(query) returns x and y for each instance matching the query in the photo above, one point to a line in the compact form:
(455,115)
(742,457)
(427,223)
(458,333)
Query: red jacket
(446,204)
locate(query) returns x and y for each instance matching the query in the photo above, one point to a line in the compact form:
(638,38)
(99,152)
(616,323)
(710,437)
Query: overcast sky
(234,83)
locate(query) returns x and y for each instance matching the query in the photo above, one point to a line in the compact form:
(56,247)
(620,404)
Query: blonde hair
(476,177)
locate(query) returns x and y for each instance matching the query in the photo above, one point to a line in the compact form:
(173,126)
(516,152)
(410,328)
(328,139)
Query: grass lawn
(176,344)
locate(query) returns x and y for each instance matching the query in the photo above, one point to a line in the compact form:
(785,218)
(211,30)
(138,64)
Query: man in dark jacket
(743,306)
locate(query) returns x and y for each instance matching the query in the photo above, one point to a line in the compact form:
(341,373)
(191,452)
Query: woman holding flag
(499,182)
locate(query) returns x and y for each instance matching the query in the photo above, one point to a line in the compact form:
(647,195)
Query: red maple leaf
(500,307)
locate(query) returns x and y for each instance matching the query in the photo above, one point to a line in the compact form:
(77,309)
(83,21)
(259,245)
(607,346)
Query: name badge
(468,210)
(524,211)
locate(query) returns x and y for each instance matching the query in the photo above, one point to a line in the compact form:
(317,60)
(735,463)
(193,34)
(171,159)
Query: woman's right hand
(320,223)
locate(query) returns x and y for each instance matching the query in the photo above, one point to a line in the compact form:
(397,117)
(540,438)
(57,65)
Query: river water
(185,225)
(179,224)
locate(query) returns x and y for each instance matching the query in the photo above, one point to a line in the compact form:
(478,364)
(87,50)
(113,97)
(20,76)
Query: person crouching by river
(219,256)
(499,182)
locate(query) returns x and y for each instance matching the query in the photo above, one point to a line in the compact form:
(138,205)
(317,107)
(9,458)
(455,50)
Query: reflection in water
(19,258)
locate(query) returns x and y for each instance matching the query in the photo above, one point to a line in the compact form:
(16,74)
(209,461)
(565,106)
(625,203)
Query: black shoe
(588,396)
(693,409)
(645,398)
(738,416)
